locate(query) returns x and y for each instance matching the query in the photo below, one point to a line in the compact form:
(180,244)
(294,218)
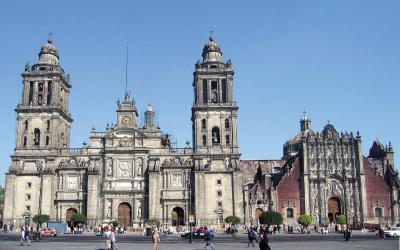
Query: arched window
(205,91)
(40,86)
(227,140)
(204,140)
(47,141)
(48,125)
(25,141)
(31,87)
(227,123)
(49,92)
(289,212)
(36,138)
(215,135)
(378,212)
(203,124)
(224,93)
(26,125)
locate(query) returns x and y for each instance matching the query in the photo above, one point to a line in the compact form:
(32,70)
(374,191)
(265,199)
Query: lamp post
(40,171)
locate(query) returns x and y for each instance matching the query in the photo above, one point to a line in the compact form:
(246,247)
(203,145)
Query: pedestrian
(22,236)
(107,233)
(155,238)
(251,236)
(208,237)
(113,240)
(263,241)
(381,233)
(27,233)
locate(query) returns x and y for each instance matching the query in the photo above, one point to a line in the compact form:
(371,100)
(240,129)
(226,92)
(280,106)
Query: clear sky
(339,60)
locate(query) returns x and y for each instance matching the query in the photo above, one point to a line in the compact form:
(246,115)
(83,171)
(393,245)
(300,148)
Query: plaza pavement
(281,242)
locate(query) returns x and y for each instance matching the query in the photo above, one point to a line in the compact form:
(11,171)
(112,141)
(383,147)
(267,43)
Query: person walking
(22,236)
(263,241)
(156,238)
(251,236)
(107,233)
(208,237)
(113,240)
(27,233)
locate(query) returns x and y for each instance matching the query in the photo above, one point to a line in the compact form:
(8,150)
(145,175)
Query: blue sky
(339,60)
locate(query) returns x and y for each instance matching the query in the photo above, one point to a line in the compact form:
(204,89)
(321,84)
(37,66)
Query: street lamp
(40,171)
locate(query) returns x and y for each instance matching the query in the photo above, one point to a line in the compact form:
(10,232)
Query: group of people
(25,233)
(8,228)
(262,239)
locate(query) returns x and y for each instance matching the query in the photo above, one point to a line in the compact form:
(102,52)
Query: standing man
(156,238)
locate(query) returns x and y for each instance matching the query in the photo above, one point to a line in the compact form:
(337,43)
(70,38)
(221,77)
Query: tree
(153,222)
(78,218)
(114,223)
(341,219)
(40,219)
(270,218)
(234,220)
(304,220)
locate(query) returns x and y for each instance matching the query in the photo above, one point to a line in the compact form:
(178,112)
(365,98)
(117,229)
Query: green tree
(341,219)
(304,220)
(78,218)
(270,218)
(234,220)
(40,219)
(153,222)
(114,223)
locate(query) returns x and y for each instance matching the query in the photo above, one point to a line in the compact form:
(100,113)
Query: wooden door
(124,214)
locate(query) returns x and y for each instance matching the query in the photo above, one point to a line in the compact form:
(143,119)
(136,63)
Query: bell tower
(214,112)
(217,173)
(43,119)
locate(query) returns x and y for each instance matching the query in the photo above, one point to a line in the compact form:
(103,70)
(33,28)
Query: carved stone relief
(125,168)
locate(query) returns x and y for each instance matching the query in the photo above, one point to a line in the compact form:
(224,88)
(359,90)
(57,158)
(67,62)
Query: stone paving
(390,244)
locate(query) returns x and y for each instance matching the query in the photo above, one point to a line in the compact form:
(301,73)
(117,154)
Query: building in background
(131,172)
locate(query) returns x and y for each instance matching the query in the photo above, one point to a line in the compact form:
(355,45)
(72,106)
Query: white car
(392,232)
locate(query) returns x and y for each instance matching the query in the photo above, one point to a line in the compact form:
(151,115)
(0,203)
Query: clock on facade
(126,120)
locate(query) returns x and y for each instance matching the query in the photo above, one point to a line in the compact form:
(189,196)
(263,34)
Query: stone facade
(325,175)
(131,172)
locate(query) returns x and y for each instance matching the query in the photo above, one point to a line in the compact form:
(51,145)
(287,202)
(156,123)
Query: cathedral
(131,172)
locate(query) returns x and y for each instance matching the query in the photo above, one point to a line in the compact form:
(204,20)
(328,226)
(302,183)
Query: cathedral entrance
(178,217)
(333,209)
(124,214)
(68,215)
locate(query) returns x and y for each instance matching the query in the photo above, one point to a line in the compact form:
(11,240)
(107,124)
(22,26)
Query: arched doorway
(124,214)
(68,215)
(178,217)
(333,209)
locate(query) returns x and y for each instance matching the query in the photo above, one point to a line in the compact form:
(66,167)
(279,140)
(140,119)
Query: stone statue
(215,137)
(109,212)
(109,168)
(139,212)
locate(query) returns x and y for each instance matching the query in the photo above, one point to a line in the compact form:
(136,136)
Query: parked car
(392,232)
(47,231)
(196,233)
